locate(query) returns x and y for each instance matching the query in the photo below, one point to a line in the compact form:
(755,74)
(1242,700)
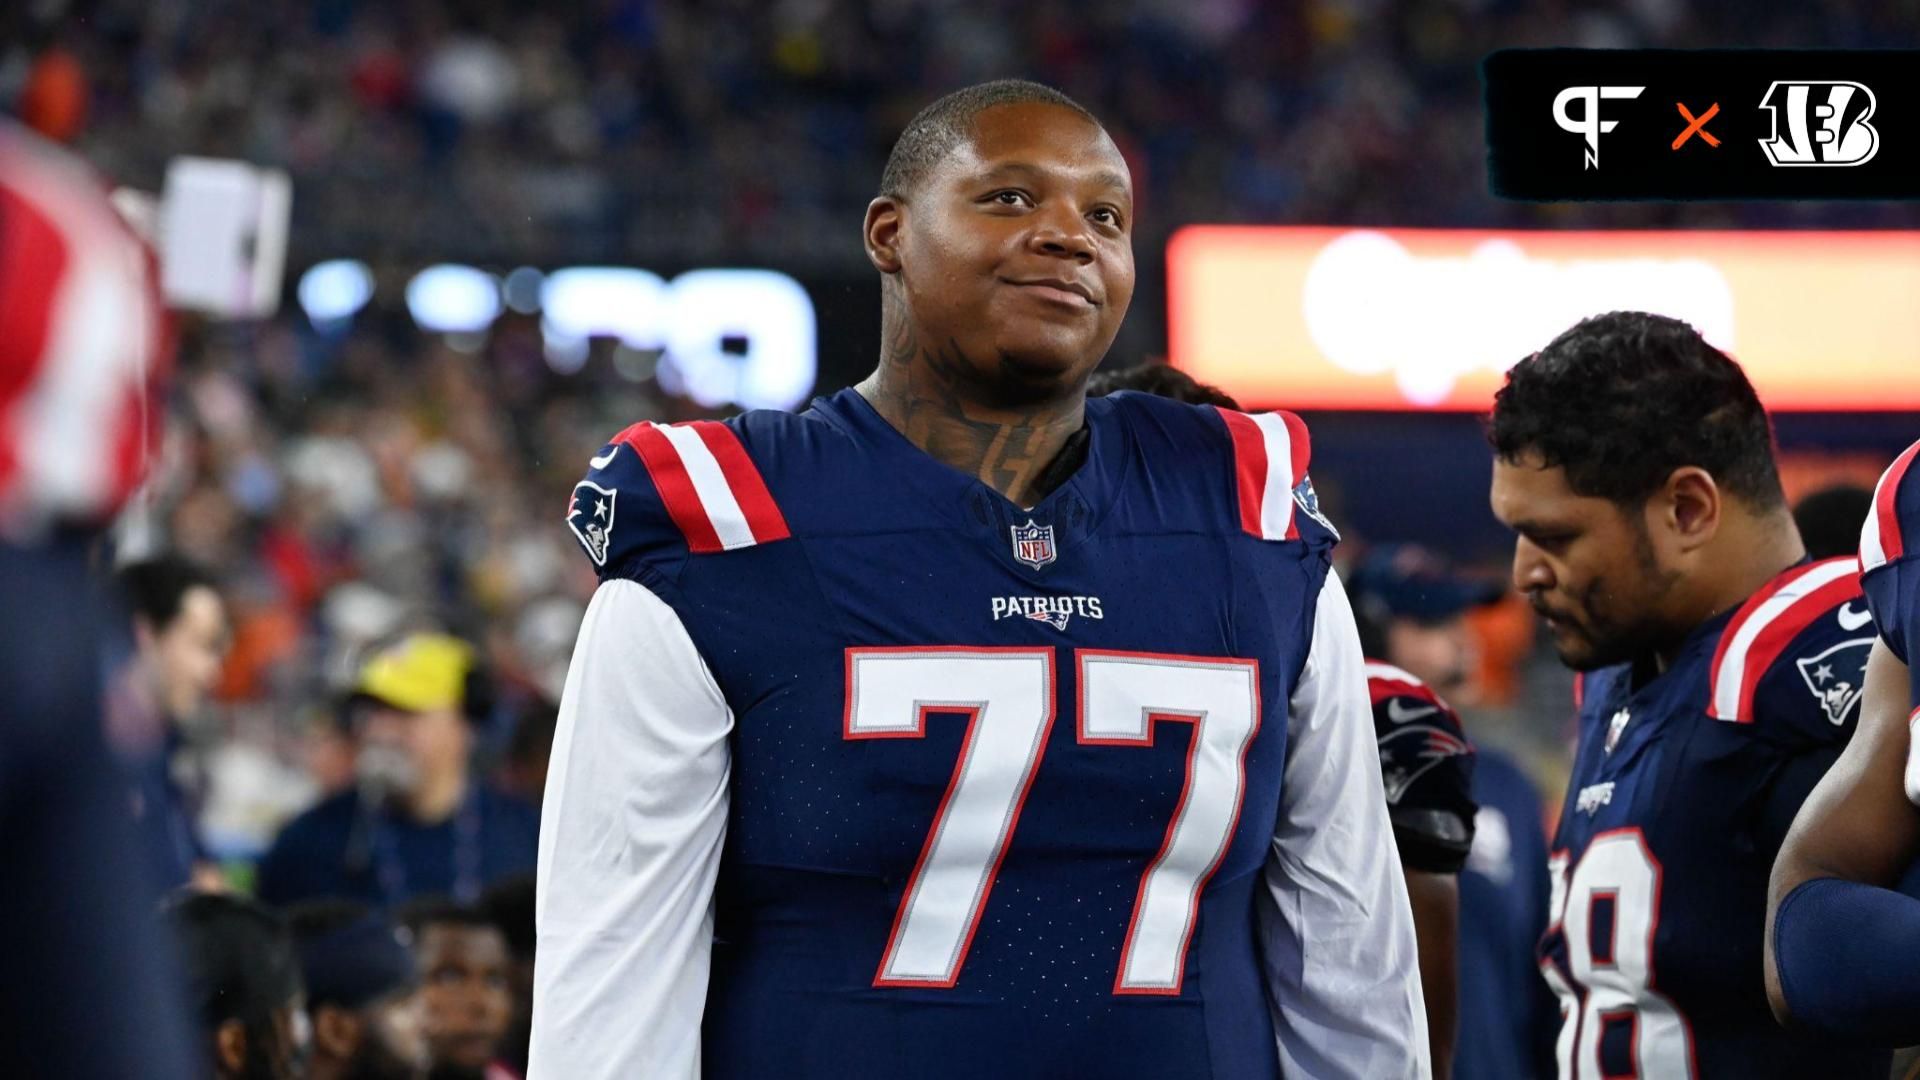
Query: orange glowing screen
(1320,318)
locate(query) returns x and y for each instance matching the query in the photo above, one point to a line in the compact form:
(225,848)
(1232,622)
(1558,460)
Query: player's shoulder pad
(1426,768)
(1417,730)
(1892,528)
(1793,659)
(659,492)
(1269,495)
(1275,496)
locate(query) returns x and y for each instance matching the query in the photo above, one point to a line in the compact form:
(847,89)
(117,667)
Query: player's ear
(1690,507)
(882,234)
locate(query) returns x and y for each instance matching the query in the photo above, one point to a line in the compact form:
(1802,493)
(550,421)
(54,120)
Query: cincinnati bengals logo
(1819,123)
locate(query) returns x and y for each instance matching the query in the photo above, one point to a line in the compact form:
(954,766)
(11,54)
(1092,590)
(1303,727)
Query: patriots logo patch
(1410,752)
(590,516)
(1055,619)
(1837,677)
(1309,502)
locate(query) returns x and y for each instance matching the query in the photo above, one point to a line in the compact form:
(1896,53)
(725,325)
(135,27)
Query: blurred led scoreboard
(1430,319)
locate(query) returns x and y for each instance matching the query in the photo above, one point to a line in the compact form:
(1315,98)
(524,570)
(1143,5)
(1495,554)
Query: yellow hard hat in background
(423,673)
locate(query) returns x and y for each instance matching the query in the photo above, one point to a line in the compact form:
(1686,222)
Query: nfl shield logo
(1033,544)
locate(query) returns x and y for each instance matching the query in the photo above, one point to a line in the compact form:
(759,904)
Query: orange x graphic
(1697,125)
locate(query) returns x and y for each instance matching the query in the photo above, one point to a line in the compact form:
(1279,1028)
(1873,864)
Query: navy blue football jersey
(1003,780)
(1683,787)
(1890,560)
(1426,766)
(1507,1015)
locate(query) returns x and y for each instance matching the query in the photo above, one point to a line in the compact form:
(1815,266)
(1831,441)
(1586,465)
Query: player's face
(465,994)
(1017,251)
(1584,563)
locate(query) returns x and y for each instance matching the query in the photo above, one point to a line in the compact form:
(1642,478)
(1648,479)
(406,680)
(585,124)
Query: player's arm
(1840,944)
(630,839)
(1336,929)
(1436,925)
(1427,767)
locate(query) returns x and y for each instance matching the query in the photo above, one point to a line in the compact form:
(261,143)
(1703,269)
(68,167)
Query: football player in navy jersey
(961,726)
(1722,673)
(1842,943)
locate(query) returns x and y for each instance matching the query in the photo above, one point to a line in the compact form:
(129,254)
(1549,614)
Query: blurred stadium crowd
(641,129)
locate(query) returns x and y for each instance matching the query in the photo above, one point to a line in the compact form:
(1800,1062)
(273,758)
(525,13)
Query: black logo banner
(1714,124)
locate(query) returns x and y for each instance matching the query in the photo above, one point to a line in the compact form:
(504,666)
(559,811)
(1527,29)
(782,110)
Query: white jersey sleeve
(1336,928)
(630,838)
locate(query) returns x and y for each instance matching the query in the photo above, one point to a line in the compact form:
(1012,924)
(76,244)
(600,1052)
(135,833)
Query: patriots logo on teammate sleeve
(1837,677)
(590,516)
(1413,751)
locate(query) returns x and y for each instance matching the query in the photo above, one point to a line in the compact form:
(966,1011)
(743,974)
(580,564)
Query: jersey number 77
(1008,697)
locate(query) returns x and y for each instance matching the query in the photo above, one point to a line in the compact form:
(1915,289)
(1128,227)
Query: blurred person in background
(244,982)
(363,993)
(1721,675)
(510,904)
(419,821)
(180,637)
(83,356)
(466,973)
(1830,519)
(1425,759)
(1411,609)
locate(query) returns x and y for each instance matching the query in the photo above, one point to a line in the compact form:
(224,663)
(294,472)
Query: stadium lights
(1432,318)
(741,337)
(521,290)
(332,292)
(453,299)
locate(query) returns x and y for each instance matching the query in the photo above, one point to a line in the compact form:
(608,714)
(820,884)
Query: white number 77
(1008,696)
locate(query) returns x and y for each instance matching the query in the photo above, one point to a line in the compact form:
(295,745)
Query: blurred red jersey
(83,343)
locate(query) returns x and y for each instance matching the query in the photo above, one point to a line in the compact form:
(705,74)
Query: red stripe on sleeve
(1380,688)
(749,488)
(670,478)
(1778,636)
(1773,641)
(1733,626)
(33,263)
(1888,508)
(1249,465)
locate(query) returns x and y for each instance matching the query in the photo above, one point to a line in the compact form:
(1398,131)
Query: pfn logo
(1826,124)
(1589,125)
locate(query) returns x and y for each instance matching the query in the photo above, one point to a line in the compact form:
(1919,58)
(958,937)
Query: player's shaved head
(937,129)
